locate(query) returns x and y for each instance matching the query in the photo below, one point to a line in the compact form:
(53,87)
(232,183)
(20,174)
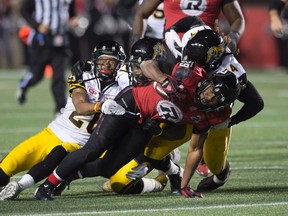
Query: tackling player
(176,104)
(102,79)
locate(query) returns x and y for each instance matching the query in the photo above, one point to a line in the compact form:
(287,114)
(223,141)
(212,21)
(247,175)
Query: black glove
(189,193)
(152,126)
(78,68)
(138,172)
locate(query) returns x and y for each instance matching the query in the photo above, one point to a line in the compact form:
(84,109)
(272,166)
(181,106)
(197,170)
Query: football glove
(138,172)
(223,125)
(234,38)
(152,126)
(112,107)
(171,37)
(78,68)
(189,193)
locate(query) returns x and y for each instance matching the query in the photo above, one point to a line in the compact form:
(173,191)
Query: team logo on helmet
(159,51)
(214,53)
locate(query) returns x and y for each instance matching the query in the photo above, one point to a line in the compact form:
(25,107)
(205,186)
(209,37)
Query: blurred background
(99,20)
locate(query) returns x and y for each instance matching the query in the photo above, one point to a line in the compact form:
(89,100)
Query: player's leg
(215,155)
(30,154)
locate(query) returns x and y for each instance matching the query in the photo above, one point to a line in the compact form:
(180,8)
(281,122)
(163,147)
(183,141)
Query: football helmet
(109,49)
(205,48)
(145,49)
(225,87)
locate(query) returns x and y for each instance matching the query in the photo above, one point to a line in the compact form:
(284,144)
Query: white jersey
(155,23)
(229,62)
(70,127)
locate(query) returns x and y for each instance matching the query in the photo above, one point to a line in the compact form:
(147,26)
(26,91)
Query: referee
(48,43)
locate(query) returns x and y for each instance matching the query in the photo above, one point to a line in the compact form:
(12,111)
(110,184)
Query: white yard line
(164,210)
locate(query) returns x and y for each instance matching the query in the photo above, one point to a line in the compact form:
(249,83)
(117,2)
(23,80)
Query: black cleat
(175,181)
(44,191)
(208,184)
(60,188)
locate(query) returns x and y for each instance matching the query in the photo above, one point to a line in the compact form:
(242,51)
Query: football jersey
(152,105)
(155,23)
(207,10)
(229,62)
(70,127)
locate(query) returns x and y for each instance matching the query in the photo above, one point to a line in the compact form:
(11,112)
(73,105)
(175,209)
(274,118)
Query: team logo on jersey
(196,119)
(169,111)
(193,7)
(92,91)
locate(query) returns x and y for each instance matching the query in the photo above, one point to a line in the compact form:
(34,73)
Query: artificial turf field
(258,156)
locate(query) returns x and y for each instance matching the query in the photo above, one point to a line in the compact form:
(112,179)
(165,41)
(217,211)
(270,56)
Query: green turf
(258,156)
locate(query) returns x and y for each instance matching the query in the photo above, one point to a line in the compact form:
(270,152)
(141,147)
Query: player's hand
(223,125)
(153,126)
(171,37)
(189,193)
(112,107)
(78,68)
(138,172)
(234,38)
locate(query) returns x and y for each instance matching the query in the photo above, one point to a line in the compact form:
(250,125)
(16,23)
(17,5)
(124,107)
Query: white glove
(222,125)
(111,107)
(171,37)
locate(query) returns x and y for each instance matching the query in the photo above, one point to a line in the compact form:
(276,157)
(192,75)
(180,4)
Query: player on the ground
(91,83)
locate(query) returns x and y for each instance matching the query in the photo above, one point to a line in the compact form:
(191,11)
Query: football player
(171,102)
(91,84)
(207,49)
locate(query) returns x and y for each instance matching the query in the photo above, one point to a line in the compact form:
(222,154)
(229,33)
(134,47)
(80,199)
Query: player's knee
(4,178)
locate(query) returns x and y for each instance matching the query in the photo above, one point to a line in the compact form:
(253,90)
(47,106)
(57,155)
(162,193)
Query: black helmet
(204,48)
(146,49)
(111,49)
(225,86)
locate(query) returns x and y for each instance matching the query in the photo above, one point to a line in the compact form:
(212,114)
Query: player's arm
(253,104)
(234,15)
(275,9)
(143,12)
(82,104)
(194,156)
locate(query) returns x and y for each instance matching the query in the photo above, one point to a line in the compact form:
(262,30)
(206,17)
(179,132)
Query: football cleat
(60,188)
(106,186)
(208,184)
(162,179)
(10,191)
(20,96)
(44,191)
(203,170)
(175,181)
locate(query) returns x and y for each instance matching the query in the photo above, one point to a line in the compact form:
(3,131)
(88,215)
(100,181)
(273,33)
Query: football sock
(174,169)
(26,181)
(54,179)
(151,185)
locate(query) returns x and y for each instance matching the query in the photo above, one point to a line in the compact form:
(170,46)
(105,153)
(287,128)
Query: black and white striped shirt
(54,13)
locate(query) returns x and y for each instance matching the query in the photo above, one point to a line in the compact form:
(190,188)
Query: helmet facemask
(144,49)
(108,56)
(217,92)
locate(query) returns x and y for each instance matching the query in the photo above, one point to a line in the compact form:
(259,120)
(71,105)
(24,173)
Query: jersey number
(78,123)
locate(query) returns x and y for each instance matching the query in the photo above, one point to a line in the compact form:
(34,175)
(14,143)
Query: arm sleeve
(253,104)
(27,9)
(186,23)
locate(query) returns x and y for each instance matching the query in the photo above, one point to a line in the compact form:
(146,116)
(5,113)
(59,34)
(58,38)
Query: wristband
(97,107)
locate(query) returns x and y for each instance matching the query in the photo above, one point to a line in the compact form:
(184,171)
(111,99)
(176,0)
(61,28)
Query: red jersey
(207,10)
(152,105)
